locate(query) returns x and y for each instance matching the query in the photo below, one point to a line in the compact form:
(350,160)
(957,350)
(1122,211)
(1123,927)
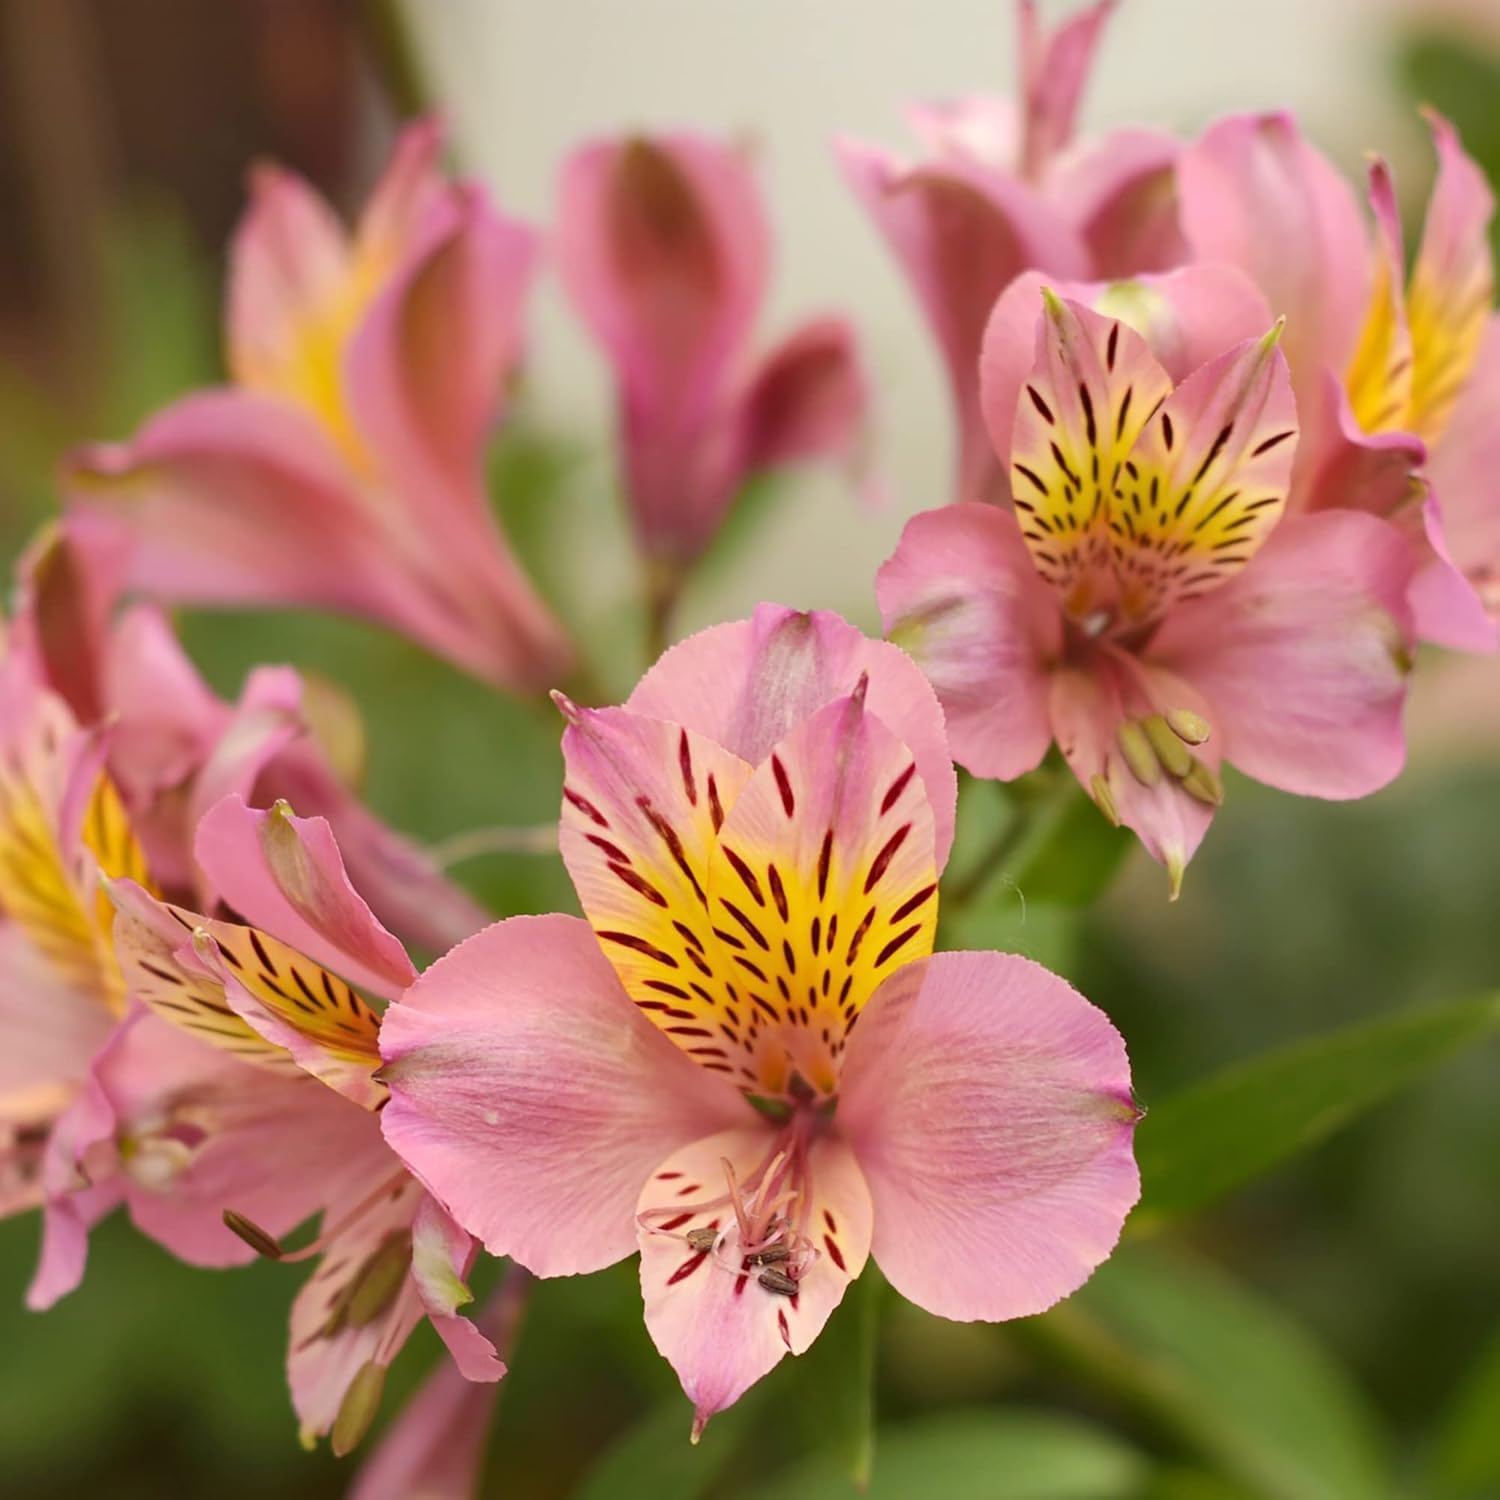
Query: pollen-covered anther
(1191,728)
(1135,746)
(1171,751)
(1203,783)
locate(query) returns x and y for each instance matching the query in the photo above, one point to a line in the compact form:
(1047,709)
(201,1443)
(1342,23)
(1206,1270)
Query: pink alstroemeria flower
(1396,382)
(1142,605)
(1005,191)
(344,468)
(175,749)
(255,1107)
(756,839)
(663,247)
(62,825)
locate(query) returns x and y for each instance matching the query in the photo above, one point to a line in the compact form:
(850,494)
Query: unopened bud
(1139,755)
(358,1408)
(1189,727)
(253,1235)
(1204,784)
(1170,750)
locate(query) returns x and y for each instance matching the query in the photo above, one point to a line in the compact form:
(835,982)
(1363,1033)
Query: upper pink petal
(989,1106)
(960,593)
(1304,655)
(962,234)
(533,1099)
(748,684)
(706,1311)
(1256,194)
(1449,608)
(285,874)
(1054,70)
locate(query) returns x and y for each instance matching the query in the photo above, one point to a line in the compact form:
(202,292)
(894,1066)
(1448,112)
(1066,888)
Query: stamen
(329,1233)
(1170,750)
(1189,727)
(1139,756)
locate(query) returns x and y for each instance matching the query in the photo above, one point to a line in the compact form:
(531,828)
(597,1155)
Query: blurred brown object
(101,99)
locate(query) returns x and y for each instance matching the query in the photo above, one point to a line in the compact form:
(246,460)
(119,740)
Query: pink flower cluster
(1220,470)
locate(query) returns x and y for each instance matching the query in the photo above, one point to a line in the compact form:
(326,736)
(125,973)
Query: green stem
(663,589)
(1005,843)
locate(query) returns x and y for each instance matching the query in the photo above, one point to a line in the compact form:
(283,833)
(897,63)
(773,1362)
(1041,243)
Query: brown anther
(772,1255)
(702,1240)
(1170,750)
(258,1239)
(1189,727)
(1139,755)
(778,1282)
(1204,784)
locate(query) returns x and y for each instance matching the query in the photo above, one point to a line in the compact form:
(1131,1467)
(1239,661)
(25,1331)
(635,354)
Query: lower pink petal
(1304,655)
(961,595)
(1447,608)
(990,1108)
(707,1311)
(533,1099)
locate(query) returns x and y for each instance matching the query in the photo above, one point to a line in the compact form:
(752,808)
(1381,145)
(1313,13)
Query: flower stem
(539,838)
(963,890)
(663,588)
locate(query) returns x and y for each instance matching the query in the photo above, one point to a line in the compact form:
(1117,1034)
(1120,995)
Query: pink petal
(807,399)
(1341,465)
(411,193)
(1255,194)
(989,1106)
(285,874)
(442,1255)
(533,1099)
(980,129)
(748,684)
(1446,608)
(712,1321)
(1304,655)
(1121,192)
(962,596)
(1054,70)
(961,235)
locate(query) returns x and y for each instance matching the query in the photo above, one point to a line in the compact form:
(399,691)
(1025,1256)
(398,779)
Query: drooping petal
(1093,389)
(1380,372)
(1452,283)
(1304,656)
(663,247)
(247,994)
(1447,608)
(533,1099)
(961,235)
(441,1255)
(1254,193)
(708,1311)
(989,1107)
(961,594)
(748,684)
(1054,70)
(823,878)
(285,874)
(807,399)
(1186,317)
(1207,480)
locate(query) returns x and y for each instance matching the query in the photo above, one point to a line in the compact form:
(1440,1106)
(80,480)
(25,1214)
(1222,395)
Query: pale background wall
(523,80)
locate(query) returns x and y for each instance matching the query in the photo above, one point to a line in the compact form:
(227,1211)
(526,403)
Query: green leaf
(654,1458)
(1228,1374)
(1204,1142)
(1468,1451)
(978,1455)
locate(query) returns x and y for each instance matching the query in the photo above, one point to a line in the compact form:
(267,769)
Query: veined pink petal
(663,248)
(1254,193)
(961,235)
(533,1099)
(1452,283)
(961,594)
(989,1107)
(285,874)
(708,1312)
(1054,70)
(1380,373)
(1447,609)
(1121,193)
(748,684)
(807,399)
(1187,317)
(1304,656)
(1339,464)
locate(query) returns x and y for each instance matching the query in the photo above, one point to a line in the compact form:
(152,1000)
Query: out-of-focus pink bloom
(1142,605)
(1396,382)
(663,247)
(62,824)
(175,749)
(757,849)
(256,1107)
(344,468)
(1004,190)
